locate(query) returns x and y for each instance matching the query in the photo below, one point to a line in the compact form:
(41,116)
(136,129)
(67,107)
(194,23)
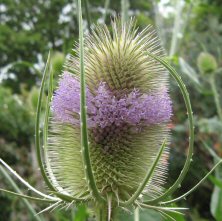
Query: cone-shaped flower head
(128,109)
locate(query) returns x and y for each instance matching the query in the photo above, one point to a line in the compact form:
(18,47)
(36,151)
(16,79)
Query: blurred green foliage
(15,118)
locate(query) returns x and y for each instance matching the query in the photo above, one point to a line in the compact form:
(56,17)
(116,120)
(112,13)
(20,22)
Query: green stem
(211,151)
(16,188)
(83,117)
(45,130)
(102,214)
(37,131)
(124,8)
(186,98)
(25,182)
(37,126)
(107,3)
(105,211)
(88,17)
(72,214)
(195,187)
(216,96)
(137,214)
(27,197)
(176,28)
(162,208)
(146,178)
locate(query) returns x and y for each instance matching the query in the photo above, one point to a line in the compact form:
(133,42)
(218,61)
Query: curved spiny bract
(128,110)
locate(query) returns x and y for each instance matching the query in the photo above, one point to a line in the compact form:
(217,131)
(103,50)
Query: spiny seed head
(128,108)
(207,63)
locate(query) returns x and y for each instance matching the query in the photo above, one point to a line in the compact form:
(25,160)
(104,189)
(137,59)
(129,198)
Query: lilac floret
(66,100)
(107,108)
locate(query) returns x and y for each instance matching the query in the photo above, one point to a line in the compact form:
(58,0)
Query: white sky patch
(17,99)
(166,8)
(40,65)
(27,26)
(59,42)
(3,8)
(65,14)
(4,73)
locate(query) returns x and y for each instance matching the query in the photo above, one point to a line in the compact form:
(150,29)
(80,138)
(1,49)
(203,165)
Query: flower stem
(83,117)
(146,179)
(16,188)
(106,7)
(37,126)
(137,214)
(102,214)
(124,8)
(195,187)
(216,96)
(88,17)
(105,212)
(188,161)
(176,28)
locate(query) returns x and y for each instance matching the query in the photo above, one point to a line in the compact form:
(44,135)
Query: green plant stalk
(37,134)
(37,127)
(137,214)
(88,17)
(124,9)
(167,209)
(27,197)
(146,179)
(47,111)
(215,181)
(25,182)
(188,161)
(216,197)
(195,187)
(215,205)
(106,6)
(101,213)
(72,214)
(167,216)
(104,211)
(45,134)
(46,122)
(16,188)
(159,23)
(211,151)
(216,96)
(176,28)
(83,118)
(45,137)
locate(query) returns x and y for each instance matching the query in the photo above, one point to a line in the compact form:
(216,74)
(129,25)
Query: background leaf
(216,198)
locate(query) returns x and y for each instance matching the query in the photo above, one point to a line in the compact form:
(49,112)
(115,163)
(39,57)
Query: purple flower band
(107,108)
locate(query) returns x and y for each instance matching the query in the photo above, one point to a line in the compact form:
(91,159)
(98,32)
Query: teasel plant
(105,135)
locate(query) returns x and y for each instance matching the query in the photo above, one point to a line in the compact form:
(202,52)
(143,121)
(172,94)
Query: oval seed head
(128,108)
(206,63)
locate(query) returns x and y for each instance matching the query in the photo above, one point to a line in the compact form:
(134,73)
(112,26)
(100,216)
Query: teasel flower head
(128,112)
